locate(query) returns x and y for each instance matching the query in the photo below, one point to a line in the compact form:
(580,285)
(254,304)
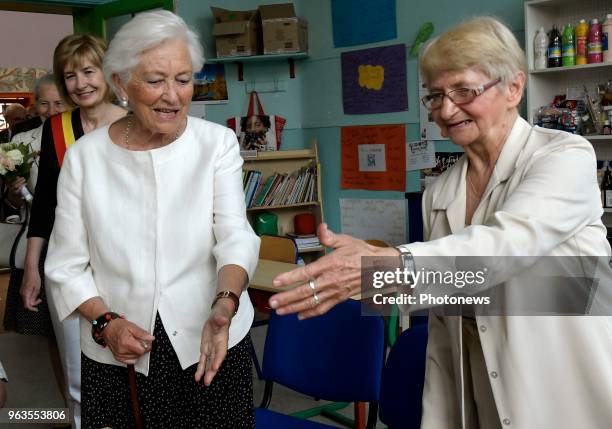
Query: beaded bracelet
(98,325)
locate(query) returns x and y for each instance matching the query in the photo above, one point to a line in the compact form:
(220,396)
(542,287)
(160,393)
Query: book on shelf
(305,241)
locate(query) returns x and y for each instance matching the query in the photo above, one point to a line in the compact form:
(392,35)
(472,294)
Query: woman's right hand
(30,288)
(127,341)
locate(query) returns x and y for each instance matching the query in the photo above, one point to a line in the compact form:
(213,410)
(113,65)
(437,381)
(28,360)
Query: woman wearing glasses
(519,191)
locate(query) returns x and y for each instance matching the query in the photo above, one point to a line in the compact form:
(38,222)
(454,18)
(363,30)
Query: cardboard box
(236,32)
(283,32)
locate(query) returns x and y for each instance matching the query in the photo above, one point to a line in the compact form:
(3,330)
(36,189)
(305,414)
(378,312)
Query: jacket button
(506,421)
(494,374)
(483,328)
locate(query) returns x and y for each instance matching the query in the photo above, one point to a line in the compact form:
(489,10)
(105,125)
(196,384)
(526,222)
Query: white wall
(28,39)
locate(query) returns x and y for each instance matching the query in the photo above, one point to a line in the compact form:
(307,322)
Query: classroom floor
(32,382)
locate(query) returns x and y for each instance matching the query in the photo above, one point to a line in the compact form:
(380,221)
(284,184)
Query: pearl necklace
(128,128)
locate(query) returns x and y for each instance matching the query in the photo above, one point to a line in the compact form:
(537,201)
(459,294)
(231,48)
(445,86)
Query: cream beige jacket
(545,372)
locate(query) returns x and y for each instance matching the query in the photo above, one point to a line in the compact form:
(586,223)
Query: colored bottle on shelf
(568,52)
(606,33)
(554,48)
(582,34)
(606,188)
(594,48)
(540,50)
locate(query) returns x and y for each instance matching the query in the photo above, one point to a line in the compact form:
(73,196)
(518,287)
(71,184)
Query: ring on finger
(311,284)
(315,298)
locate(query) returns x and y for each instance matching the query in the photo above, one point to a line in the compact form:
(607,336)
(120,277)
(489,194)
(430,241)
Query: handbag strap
(254,98)
(24,225)
(63,134)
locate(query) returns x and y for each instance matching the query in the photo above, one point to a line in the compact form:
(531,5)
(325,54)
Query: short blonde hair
(73,50)
(482,43)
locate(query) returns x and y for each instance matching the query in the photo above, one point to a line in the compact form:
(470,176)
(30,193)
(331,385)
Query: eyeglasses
(458,96)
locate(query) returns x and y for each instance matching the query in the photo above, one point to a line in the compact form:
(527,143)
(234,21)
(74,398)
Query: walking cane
(134,396)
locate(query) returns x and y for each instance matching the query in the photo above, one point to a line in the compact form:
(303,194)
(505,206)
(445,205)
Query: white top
(3,376)
(147,231)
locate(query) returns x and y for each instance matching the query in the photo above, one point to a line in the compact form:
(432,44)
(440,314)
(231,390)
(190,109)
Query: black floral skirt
(169,397)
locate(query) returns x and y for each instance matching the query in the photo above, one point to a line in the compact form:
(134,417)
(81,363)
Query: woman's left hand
(215,337)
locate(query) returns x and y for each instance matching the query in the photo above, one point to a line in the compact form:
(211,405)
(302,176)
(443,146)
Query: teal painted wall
(313,102)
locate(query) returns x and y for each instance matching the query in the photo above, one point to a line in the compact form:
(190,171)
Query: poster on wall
(374,157)
(444,161)
(420,154)
(209,84)
(374,219)
(374,80)
(357,22)
(429,129)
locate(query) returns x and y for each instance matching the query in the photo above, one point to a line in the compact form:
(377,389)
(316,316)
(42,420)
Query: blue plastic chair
(336,357)
(403,379)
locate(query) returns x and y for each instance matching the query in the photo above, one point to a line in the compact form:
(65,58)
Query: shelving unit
(543,85)
(288,161)
(260,58)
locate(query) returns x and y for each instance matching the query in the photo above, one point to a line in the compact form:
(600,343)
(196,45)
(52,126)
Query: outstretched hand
(329,280)
(215,337)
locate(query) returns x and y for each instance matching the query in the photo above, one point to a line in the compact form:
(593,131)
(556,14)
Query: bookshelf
(297,188)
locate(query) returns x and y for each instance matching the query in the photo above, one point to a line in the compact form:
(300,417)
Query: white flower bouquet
(16,160)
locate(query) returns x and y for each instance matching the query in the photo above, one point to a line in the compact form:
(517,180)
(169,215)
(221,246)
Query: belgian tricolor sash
(63,134)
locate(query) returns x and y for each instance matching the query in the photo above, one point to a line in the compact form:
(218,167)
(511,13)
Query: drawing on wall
(19,79)
(444,161)
(209,84)
(363,150)
(374,80)
(420,154)
(357,22)
(429,129)
(374,219)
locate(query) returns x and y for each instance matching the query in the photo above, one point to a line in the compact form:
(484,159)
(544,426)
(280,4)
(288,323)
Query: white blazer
(148,231)
(546,372)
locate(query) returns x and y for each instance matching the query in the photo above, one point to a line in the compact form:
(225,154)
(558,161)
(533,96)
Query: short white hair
(483,43)
(145,31)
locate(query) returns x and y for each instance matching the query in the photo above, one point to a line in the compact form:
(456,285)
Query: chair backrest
(276,248)
(337,356)
(403,379)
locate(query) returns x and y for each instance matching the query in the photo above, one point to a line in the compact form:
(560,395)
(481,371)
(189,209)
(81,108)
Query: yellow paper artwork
(371,77)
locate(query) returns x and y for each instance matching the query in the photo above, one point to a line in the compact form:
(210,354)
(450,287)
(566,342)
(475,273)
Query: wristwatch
(406,259)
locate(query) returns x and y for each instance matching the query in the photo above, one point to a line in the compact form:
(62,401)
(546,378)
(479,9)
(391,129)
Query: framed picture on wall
(209,84)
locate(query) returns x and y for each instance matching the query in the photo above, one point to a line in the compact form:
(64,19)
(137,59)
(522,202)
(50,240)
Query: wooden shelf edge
(282,155)
(256,58)
(288,206)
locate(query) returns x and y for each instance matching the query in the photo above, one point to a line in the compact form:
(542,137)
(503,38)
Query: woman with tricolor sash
(77,66)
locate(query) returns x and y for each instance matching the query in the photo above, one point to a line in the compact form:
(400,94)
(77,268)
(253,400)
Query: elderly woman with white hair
(152,248)
(519,191)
